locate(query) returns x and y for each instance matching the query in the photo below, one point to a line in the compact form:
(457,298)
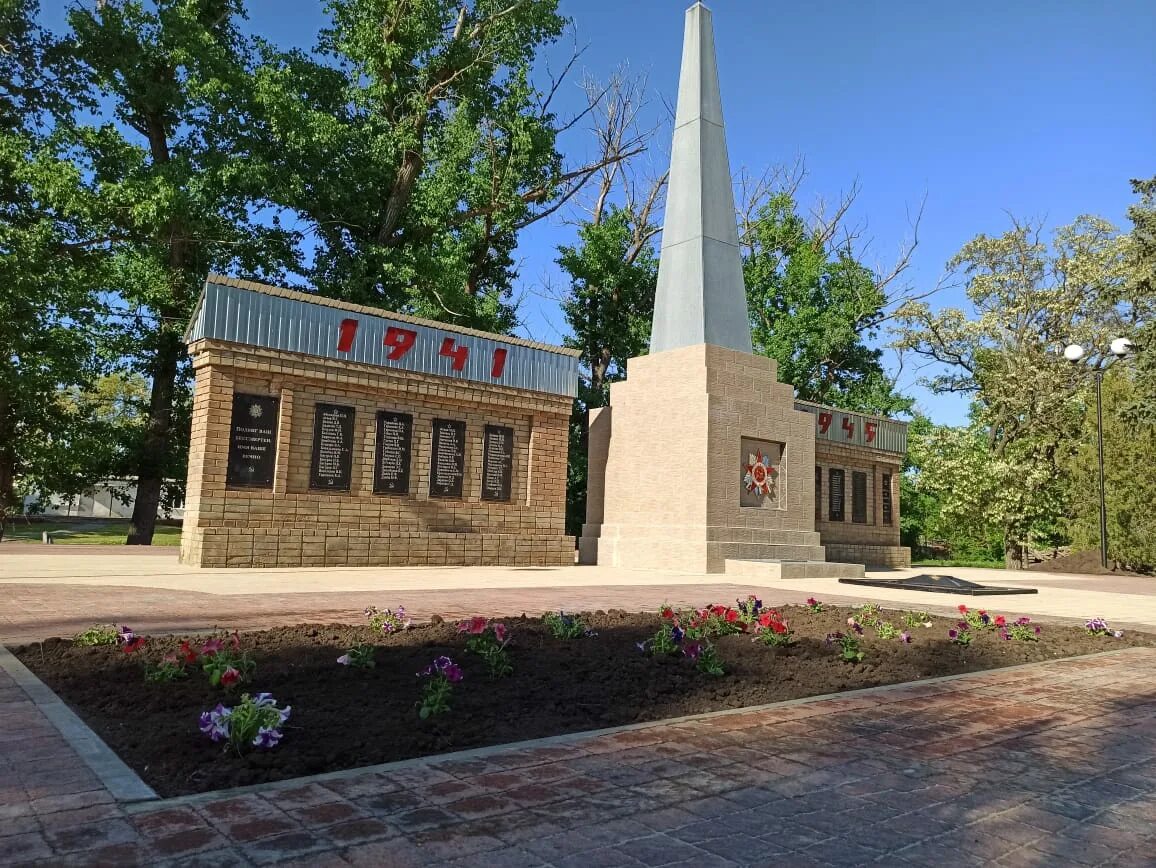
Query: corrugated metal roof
(247,312)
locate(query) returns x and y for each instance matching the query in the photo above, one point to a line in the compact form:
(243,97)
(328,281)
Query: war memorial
(330,434)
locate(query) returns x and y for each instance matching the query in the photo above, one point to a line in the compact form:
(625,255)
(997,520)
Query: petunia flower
(693,650)
(134,645)
(189,655)
(1000,620)
(453,673)
(211,647)
(230,677)
(267,737)
(343,659)
(951,634)
(284,713)
(905,637)
(500,632)
(962,609)
(676,634)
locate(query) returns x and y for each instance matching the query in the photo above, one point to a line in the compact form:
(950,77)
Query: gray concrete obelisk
(700,298)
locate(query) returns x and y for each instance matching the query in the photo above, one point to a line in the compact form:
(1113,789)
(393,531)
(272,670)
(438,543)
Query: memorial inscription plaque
(448,461)
(332,465)
(391,462)
(835,494)
(252,442)
(497,462)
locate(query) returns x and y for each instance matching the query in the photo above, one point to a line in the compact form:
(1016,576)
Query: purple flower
(951,634)
(267,737)
(833,638)
(1024,621)
(442,662)
(215,723)
(676,633)
(284,712)
(692,650)
(453,673)
(641,646)
(984,617)
(343,659)
(857,627)
(905,637)
(125,635)
(1038,631)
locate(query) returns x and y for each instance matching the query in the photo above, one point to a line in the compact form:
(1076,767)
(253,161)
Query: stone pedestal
(667,461)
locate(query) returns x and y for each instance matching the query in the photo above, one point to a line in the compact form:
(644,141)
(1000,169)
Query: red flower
(765,619)
(1000,620)
(962,609)
(718,610)
(134,645)
(189,655)
(668,612)
(474,626)
(230,677)
(731,616)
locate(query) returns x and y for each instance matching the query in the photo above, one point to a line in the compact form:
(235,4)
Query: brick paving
(1053,763)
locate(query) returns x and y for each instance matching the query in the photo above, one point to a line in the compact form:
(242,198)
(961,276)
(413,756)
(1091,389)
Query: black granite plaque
(252,442)
(391,460)
(497,462)
(835,494)
(448,461)
(858,497)
(887,514)
(332,466)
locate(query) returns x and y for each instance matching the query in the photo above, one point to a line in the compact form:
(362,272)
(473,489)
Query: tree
(47,308)
(1142,268)
(1030,301)
(613,274)
(173,189)
(1130,489)
(814,305)
(415,147)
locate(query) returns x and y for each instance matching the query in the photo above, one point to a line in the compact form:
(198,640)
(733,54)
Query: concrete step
(780,569)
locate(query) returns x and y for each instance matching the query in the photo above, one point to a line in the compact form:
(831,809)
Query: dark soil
(1087,563)
(344,717)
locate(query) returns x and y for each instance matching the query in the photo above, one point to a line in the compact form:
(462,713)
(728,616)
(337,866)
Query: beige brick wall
(289,525)
(871,542)
(672,469)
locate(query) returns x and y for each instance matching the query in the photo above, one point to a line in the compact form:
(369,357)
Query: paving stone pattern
(1053,763)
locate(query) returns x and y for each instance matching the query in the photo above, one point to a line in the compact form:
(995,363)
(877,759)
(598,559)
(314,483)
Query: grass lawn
(107,531)
(932,562)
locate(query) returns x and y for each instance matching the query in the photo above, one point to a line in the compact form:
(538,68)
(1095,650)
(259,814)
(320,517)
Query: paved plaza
(1052,763)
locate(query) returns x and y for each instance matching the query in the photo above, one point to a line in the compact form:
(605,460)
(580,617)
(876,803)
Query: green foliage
(1142,264)
(849,650)
(169,669)
(886,630)
(1002,473)
(706,659)
(916,619)
(97,634)
(613,271)
(563,626)
(360,657)
(413,146)
(1130,491)
(814,308)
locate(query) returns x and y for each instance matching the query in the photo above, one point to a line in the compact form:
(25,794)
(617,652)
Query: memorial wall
(328,434)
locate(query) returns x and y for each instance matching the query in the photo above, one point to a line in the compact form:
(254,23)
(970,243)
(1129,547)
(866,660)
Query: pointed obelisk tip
(700,297)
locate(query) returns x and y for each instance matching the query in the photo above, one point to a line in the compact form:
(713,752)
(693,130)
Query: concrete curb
(575,737)
(121,781)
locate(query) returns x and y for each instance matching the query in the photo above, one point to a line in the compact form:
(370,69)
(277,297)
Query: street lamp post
(1120,347)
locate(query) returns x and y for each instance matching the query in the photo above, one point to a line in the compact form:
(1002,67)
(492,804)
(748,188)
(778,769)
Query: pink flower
(475,626)
(212,646)
(500,632)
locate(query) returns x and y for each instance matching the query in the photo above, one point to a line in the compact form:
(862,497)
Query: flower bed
(408,692)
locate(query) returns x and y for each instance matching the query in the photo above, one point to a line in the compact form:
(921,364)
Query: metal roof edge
(853,412)
(308,298)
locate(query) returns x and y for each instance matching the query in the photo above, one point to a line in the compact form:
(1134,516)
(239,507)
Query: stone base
(785,569)
(235,547)
(871,555)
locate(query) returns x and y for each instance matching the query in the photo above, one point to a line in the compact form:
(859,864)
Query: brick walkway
(1046,764)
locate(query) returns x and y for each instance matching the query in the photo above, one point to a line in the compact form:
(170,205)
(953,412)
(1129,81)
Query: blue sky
(1033,107)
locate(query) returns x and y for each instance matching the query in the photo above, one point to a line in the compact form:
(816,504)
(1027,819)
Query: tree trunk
(154,447)
(1013,553)
(7,465)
